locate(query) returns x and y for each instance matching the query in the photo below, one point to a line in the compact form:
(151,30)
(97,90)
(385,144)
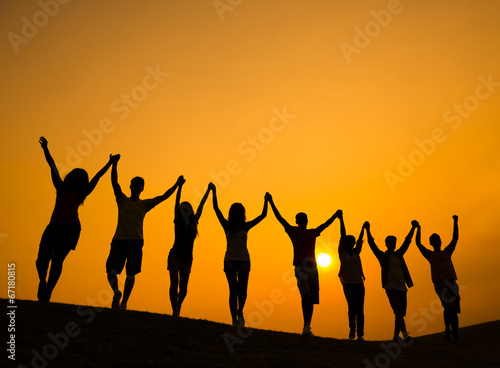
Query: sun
(324,260)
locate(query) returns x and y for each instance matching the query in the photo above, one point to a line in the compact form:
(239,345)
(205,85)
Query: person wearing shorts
(395,277)
(444,277)
(127,243)
(304,259)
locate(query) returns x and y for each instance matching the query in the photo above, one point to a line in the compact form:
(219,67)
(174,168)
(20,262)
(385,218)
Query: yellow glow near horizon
(323,259)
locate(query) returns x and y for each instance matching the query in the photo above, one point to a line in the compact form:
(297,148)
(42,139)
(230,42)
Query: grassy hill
(64,335)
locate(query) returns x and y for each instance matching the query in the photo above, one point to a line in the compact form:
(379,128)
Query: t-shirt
(66,208)
(304,244)
(441,264)
(237,246)
(131,217)
(352,269)
(395,276)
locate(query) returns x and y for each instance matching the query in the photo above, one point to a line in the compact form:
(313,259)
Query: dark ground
(65,335)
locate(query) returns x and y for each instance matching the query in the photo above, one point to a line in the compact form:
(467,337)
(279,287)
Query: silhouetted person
(126,246)
(444,277)
(237,258)
(63,231)
(351,276)
(304,259)
(180,257)
(395,277)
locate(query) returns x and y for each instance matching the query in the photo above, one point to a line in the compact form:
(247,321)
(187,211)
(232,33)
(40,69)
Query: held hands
(180,181)
(339,214)
(268,197)
(366,225)
(114,158)
(415,224)
(211,186)
(455,218)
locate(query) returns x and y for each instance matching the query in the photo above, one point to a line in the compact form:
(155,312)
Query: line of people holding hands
(62,234)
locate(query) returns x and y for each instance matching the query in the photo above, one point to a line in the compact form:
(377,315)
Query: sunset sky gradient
(387,110)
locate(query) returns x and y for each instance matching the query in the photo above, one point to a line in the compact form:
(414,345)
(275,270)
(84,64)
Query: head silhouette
(301,220)
(236,217)
(186,210)
(435,241)
(187,214)
(350,241)
(390,243)
(136,186)
(77,180)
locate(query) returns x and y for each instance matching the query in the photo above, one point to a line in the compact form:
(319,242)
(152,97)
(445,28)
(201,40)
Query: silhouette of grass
(64,335)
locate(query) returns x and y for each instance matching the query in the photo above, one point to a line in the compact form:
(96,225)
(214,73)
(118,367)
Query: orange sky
(387,110)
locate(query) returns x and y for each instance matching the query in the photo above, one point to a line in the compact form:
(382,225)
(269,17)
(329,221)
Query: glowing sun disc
(324,260)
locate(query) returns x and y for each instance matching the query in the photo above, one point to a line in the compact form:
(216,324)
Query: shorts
(308,281)
(61,236)
(57,241)
(178,263)
(447,290)
(238,266)
(397,300)
(125,250)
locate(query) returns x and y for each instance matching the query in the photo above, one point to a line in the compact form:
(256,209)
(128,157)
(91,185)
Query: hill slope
(63,335)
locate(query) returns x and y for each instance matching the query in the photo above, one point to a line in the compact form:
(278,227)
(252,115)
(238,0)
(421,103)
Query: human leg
(127,289)
(133,251)
(56,267)
(183,284)
(350,296)
(448,293)
(398,302)
(173,294)
(42,265)
(232,281)
(360,315)
(114,266)
(243,275)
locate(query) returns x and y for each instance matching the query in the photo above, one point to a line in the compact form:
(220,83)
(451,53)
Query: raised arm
(409,237)
(178,198)
(371,241)
(328,222)
(100,173)
(280,218)
(169,192)
(259,218)
(451,247)
(202,203)
(54,173)
(359,242)
(418,239)
(219,214)
(114,178)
